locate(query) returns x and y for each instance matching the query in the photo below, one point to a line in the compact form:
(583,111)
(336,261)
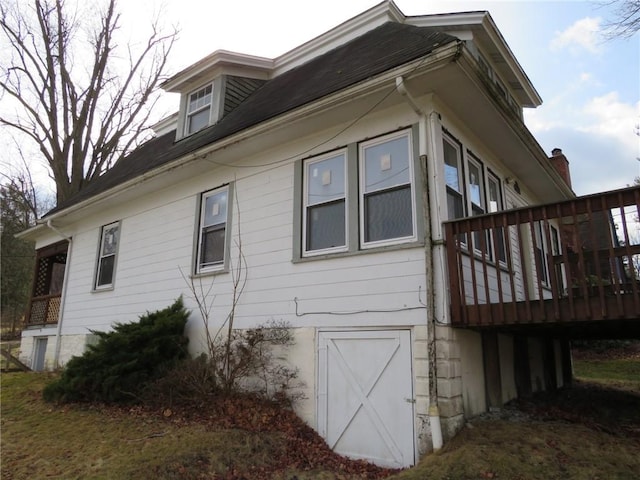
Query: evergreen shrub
(118,367)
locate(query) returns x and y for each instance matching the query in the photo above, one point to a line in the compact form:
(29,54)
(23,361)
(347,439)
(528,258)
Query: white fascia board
(214,64)
(436,59)
(383,12)
(386,11)
(31,233)
(468,65)
(484,29)
(166,124)
(448,20)
(498,40)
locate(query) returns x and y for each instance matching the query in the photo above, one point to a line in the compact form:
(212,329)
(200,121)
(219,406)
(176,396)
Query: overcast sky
(590,87)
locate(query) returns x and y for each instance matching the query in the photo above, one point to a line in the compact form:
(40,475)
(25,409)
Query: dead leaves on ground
(299,449)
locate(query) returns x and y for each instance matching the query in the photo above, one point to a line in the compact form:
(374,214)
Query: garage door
(365,406)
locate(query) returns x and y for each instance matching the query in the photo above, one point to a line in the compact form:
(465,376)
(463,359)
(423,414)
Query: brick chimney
(561,164)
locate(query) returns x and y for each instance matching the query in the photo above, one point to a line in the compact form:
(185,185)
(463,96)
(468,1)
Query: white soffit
(480,27)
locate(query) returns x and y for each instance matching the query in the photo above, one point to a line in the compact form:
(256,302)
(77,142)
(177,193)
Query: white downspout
(63,297)
(432,226)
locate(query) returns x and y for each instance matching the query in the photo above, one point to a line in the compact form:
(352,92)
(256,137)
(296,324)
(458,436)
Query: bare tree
(625,19)
(79,97)
(20,205)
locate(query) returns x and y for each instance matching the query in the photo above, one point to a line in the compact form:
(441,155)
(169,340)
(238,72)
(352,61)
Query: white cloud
(582,35)
(597,135)
(585,77)
(613,118)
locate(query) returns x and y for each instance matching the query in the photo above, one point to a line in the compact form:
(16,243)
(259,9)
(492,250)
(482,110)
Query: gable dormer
(214,86)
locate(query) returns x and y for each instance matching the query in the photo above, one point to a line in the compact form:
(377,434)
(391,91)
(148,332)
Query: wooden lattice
(47,285)
(54,310)
(42,278)
(38,312)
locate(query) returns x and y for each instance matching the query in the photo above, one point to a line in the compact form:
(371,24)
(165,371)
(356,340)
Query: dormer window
(199,110)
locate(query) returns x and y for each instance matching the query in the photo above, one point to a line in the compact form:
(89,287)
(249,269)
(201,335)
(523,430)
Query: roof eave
(483,26)
(439,57)
(386,11)
(217,60)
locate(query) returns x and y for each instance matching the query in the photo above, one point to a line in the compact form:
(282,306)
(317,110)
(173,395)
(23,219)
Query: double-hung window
(199,109)
(476,186)
(325,215)
(107,253)
(496,205)
(362,196)
(453,178)
(472,187)
(212,232)
(476,197)
(387,212)
(544,253)
(541,253)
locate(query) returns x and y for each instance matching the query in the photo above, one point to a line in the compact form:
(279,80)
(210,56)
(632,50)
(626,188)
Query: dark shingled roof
(383,48)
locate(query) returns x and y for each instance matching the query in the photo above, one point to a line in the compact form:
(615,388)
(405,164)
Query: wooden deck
(572,266)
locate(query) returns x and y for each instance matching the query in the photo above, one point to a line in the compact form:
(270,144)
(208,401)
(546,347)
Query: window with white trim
(107,255)
(541,250)
(325,214)
(386,197)
(472,187)
(199,110)
(496,205)
(362,196)
(212,230)
(556,251)
(453,177)
(475,186)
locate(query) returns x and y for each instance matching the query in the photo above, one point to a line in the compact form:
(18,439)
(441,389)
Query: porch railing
(577,260)
(48,279)
(44,310)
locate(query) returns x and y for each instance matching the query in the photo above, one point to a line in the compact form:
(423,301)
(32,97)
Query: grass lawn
(585,433)
(621,373)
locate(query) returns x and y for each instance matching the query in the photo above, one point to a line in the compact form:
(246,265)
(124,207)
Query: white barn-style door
(365,395)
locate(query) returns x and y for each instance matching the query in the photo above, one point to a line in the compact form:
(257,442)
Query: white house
(336,164)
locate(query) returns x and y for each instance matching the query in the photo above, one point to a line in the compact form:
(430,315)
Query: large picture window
(386,198)
(107,255)
(325,204)
(199,110)
(212,232)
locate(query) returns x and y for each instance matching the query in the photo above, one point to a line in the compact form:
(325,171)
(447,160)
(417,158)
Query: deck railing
(573,261)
